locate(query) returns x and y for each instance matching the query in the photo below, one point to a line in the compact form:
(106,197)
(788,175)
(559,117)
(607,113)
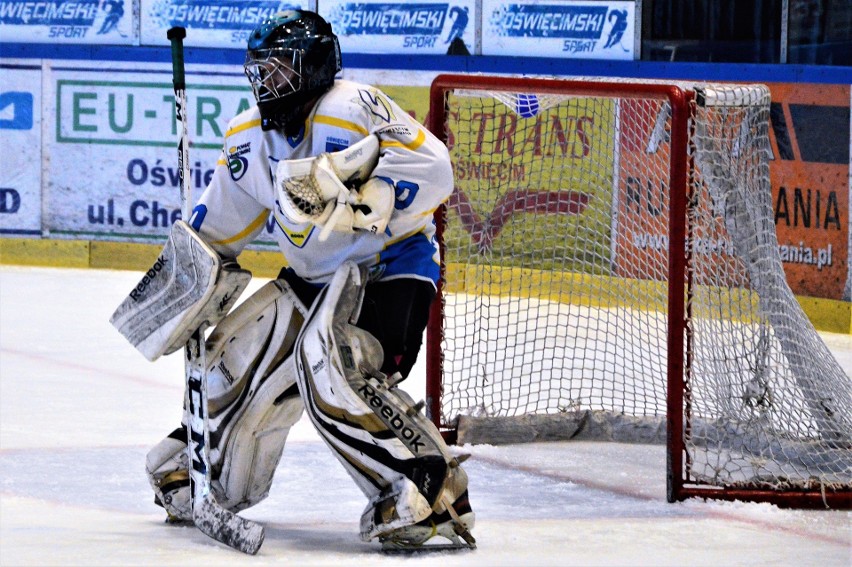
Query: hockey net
(611,270)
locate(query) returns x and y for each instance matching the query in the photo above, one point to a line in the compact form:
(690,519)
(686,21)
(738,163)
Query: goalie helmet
(292,57)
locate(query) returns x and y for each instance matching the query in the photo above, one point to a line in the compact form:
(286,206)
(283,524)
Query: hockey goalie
(349,181)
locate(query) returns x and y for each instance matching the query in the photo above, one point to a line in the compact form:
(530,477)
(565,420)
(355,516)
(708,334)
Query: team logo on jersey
(237,164)
(297,238)
(377,105)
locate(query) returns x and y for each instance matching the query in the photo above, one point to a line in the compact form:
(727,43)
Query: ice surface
(79,407)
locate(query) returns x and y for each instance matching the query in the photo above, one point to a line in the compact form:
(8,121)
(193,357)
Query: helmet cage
(274,73)
(292,58)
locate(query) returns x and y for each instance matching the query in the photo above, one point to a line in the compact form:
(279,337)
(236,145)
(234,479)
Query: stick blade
(228,528)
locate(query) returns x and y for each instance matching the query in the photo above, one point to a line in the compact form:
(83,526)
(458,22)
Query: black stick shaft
(176,36)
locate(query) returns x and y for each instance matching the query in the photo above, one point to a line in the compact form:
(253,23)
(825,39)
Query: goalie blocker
(189,285)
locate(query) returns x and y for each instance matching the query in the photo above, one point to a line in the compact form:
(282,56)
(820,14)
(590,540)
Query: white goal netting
(557,291)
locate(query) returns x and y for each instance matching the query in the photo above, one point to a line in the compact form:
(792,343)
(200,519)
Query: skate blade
(394,548)
(405,547)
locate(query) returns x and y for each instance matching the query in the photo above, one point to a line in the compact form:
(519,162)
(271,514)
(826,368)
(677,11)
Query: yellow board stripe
(261,218)
(830,315)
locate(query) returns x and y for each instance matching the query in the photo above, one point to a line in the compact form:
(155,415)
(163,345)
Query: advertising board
(566,29)
(61,21)
(209,23)
(810,140)
(405,28)
(809,173)
(20,128)
(113,170)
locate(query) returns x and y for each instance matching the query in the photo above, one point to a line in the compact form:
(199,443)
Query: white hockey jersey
(237,203)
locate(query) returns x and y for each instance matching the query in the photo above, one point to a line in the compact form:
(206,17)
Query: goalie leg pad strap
(253,402)
(395,455)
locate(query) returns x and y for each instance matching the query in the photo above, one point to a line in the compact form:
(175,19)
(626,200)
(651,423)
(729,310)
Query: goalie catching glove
(334,191)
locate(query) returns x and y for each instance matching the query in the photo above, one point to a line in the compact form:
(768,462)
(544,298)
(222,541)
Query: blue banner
(575,22)
(570,28)
(215,14)
(389,19)
(68,21)
(209,23)
(406,27)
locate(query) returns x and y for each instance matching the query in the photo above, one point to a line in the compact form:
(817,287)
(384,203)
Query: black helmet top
(292,58)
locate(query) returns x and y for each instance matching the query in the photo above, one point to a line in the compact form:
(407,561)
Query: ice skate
(448,530)
(168,474)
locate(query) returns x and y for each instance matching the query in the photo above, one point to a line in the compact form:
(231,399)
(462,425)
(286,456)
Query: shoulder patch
(377,105)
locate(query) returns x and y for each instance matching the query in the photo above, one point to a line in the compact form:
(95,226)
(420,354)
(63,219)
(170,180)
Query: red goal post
(610,270)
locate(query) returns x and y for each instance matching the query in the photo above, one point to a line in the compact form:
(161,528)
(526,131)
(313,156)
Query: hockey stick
(209,517)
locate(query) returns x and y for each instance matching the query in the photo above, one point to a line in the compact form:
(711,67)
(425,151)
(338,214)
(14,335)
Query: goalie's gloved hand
(318,189)
(373,206)
(337,215)
(367,208)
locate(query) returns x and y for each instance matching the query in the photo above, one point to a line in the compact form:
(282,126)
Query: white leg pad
(395,455)
(255,445)
(253,403)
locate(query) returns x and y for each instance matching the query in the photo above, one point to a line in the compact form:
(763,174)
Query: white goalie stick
(208,516)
